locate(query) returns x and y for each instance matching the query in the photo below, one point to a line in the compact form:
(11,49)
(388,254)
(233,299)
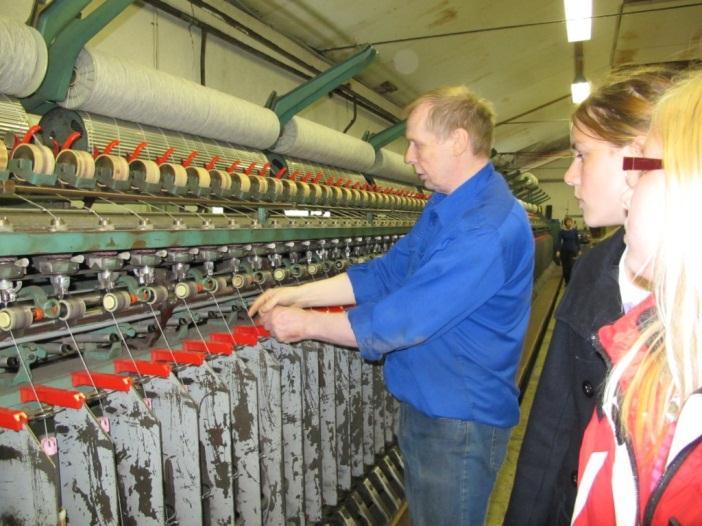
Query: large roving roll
(391,165)
(311,141)
(129,91)
(23,58)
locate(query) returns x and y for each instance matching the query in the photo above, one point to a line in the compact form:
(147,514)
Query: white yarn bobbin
(290,192)
(3,155)
(41,157)
(259,186)
(117,166)
(241,185)
(316,195)
(275,189)
(326,194)
(81,161)
(304,192)
(221,179)
(174,174)
(336,195)
(23,60)
(198,177)
(146,171)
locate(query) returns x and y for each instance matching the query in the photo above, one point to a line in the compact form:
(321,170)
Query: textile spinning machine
(134,388)
(140,215)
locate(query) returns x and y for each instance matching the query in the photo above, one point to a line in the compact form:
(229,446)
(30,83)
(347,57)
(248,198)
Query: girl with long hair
(610,124)
(642,450)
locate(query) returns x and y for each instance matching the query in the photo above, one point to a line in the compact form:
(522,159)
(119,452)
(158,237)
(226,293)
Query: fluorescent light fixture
(579,91)
(578,15)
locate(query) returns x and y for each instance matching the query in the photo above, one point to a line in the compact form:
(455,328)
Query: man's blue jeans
(450,467)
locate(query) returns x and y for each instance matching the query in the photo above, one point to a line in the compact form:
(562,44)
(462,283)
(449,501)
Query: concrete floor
(505,479)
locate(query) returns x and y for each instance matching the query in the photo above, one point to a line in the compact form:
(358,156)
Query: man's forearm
(336,290)
(331,328)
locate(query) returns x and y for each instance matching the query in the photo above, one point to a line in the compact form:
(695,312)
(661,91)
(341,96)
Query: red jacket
(610,491)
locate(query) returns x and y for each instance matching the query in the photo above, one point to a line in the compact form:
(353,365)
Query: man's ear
(461,141)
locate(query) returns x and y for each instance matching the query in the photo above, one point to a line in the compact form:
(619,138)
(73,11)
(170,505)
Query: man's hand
(283,296)
(286,324)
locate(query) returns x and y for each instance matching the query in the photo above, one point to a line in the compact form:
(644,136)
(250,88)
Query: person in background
(610,124)
(642,450)
(447,308)
(568,247)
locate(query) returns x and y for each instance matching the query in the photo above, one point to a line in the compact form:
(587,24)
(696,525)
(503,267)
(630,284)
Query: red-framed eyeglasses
(641,163)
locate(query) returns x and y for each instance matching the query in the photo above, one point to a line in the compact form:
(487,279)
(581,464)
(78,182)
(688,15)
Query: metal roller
(242,281)
(187,290)
(117,300)
(68,309)
(13,318)
(153,295)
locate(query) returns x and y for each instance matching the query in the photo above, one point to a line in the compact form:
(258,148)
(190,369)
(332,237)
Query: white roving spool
(126,90)
(391,165)
(23,58)
(308,140)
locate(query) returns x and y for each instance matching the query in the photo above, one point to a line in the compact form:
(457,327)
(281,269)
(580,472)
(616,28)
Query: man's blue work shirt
(448,305)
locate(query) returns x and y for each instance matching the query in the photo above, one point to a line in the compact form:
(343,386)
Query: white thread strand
(130,91)
(391,165)
(23,58)
(308,140)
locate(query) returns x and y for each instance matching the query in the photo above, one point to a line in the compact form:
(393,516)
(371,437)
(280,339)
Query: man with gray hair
(447,308)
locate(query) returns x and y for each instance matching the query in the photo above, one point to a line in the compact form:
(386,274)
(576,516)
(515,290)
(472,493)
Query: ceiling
(512,52)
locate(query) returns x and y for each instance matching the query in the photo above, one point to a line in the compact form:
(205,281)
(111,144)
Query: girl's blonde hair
(671,368)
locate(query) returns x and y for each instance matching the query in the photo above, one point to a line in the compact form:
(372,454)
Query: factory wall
(150,37)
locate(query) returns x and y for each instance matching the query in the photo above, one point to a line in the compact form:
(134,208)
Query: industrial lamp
(578,19)
(579,89)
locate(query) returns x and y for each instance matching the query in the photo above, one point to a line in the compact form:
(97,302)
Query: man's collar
(447,206)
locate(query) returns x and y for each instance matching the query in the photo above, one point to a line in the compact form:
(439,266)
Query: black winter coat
(546,481)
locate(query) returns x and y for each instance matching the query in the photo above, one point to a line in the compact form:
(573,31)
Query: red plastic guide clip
(31,132)
(179,357)
(166,155)
(264,170)
(250,168)
(212,163)
(52,396)
(137,152)
(233,166)
(239,339)
(212,347)
(114,382)
(13,419)
(318,177)
(189,160)
(142,367)
(107,150)
(280,173)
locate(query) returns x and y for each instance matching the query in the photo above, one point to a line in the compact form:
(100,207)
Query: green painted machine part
(288,105)
(385,137)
